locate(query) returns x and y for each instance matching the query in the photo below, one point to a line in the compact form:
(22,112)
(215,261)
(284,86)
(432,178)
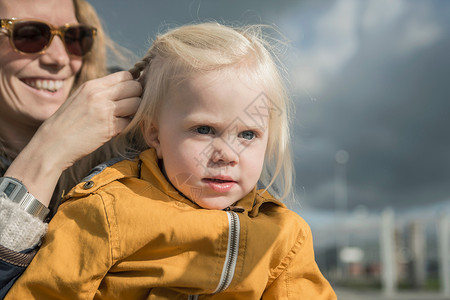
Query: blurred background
(370,80)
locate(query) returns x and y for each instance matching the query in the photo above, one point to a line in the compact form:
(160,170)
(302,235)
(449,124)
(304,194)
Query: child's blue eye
(204,129)
(248,135)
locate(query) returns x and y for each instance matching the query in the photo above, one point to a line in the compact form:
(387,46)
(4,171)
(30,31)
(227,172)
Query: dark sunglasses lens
(79,40)
(31,37)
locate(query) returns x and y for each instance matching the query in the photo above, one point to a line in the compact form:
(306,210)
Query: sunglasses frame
(7,27)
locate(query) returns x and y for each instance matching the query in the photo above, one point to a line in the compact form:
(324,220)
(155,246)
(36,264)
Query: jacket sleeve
(18,229)
(74,256)
(299,276)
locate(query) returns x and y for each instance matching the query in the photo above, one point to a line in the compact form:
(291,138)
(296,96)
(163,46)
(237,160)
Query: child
(185,220)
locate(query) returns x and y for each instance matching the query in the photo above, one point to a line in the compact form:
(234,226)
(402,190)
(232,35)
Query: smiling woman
(50,117)
(23,94)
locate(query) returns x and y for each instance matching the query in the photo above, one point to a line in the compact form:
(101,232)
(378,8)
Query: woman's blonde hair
(207,47)
(94,63)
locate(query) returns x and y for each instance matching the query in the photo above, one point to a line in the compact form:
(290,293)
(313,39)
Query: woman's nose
(55,55)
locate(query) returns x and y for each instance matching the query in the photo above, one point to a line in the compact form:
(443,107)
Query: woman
(43,130)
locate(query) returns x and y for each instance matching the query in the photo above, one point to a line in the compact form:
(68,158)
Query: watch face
(9,189)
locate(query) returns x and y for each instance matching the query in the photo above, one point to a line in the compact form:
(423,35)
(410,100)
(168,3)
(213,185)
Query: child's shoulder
(268,205)
(286,231)
(103,177)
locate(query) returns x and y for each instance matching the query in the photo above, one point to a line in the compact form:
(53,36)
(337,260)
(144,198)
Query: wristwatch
(18,193)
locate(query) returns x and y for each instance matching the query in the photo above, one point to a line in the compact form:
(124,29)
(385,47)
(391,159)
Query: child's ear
(151,136)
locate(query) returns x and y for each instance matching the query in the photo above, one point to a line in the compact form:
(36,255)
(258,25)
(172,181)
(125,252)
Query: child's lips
(221,185)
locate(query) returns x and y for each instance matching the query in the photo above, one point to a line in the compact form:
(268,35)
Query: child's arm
(74,257)
(301,277)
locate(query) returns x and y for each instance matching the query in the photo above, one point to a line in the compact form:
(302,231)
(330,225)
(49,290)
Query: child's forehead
(222,96)
(219,83)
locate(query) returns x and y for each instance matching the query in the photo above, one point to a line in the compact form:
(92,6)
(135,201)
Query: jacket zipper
(234,231)
(232,252)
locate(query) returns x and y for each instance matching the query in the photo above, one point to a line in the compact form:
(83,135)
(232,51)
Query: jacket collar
(146,167)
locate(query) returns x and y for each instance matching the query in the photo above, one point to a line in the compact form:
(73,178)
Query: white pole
(387,243)
(444,254)
(341,200)
(418,247)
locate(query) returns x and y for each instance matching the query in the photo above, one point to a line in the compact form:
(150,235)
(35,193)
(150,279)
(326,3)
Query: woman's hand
(97,111)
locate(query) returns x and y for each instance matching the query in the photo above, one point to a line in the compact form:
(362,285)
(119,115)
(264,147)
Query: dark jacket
(12,265)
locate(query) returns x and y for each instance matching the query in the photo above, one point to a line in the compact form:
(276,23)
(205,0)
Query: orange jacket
(128,234)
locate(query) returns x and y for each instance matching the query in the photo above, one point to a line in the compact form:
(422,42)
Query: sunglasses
(33,37)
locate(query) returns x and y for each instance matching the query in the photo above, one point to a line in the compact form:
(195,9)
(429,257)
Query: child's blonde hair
(207,47)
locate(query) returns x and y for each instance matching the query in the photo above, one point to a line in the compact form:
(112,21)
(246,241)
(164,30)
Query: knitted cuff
(18,229)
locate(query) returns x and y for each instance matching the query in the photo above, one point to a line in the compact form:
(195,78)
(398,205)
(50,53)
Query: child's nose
(224,153)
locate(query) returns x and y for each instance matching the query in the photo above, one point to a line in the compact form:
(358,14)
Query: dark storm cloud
(134,23)
(390,110)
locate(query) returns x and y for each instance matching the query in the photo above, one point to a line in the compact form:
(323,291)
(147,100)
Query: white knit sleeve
(18,229)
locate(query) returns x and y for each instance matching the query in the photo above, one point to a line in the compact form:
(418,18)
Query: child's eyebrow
(198,119)
(209,119)
(202,118)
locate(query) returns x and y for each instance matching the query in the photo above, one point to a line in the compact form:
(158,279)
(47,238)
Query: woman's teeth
(47,85)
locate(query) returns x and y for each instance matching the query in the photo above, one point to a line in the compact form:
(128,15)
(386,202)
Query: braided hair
(139,67)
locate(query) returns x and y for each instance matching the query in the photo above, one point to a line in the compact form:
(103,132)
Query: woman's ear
(151,136)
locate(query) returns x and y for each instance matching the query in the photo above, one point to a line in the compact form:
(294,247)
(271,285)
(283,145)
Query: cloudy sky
(370,80)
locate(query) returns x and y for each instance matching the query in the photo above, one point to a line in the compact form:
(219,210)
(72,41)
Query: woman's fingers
(124,89)
(126,107)
(121,124)
(112,87)
(114,78)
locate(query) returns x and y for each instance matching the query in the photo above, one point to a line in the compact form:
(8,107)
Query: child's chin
(214,204)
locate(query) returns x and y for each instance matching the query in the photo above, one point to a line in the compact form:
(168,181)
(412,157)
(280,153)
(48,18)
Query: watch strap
(16,191)
(33,206)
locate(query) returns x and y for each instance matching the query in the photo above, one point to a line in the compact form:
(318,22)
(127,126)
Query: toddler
(196,215)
